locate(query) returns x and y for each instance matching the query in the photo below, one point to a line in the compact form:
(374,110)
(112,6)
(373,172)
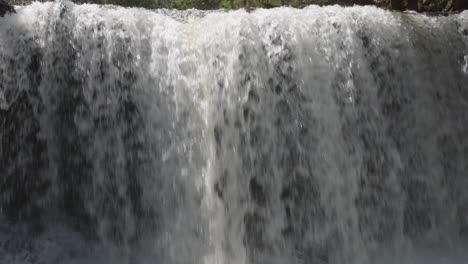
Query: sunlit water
(322,135)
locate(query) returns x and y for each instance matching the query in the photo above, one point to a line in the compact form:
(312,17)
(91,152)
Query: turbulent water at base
(322,135)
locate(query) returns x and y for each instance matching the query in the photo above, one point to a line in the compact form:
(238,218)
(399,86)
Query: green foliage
(198,4)
(418,5)
(201,4)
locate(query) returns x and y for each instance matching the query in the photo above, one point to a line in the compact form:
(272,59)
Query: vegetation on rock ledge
(417,5)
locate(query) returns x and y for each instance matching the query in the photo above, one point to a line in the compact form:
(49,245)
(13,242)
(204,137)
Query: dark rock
(5,8)
(459,5)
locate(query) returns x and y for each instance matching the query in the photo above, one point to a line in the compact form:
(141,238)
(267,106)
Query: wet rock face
(5,8)
(460,4)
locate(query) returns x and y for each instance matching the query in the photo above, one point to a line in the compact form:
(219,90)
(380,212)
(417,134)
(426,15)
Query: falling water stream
(284,136)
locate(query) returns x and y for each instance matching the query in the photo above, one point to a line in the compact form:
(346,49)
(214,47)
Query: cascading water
(321,135)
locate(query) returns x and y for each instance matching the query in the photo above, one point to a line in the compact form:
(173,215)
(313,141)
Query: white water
(322,135)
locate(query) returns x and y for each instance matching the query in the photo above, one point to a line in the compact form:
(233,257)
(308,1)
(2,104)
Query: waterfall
(289,136)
